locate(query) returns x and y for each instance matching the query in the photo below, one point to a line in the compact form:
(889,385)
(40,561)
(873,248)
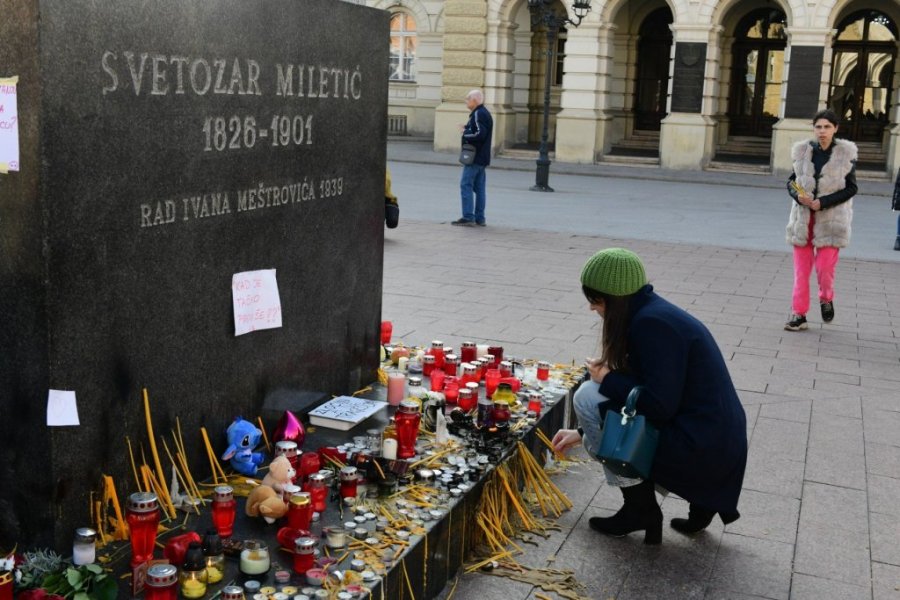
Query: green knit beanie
(614,271)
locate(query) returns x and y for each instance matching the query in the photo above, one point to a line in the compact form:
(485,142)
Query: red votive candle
(288,448)
(224,507)
(468,352)
(407,423)
(428,364)
(349,479)
(387,328)
(491,380)
(535,403)
(437,350)
(304,554)
(318,493)
(488,360)
(300,510)
(437,380)
(451,392)
(451,363)
(543,370)
(466,400)
(309,464)
(142,514)
(505,369)
(497,353)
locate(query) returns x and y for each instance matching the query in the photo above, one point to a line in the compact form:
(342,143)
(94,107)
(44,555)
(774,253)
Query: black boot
(639,513)
(897,243)
(698,520)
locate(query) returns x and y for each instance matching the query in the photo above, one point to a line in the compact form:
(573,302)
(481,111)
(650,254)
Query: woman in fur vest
(822,185)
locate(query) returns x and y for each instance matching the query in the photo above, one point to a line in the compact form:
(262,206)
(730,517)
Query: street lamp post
(542,13)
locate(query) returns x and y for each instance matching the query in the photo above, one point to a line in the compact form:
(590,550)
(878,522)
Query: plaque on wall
(688,76)
(804,82)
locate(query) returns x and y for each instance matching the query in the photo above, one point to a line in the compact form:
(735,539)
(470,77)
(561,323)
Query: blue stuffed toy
(243,437)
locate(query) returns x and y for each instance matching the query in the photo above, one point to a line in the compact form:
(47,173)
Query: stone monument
(188,170)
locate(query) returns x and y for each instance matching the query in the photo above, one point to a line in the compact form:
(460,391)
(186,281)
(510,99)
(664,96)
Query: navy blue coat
(478,132)
(689,396)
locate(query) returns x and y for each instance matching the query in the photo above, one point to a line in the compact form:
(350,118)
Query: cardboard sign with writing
(9,125)
(256,301)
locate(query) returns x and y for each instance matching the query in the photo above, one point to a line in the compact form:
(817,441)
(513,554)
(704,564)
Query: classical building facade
(684,82)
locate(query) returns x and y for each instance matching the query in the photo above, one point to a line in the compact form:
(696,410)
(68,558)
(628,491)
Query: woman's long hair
(614,343)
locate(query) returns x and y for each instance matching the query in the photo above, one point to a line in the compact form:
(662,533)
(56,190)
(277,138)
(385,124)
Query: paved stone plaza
(821,500)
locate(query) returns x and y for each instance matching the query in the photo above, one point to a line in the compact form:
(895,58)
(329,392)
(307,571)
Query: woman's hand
(809,202)
(597,369)
(565,439)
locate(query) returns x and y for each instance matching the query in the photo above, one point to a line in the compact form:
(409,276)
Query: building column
(807,75)
(687,134)
(893,154)
(465,42)
(498,81)
(582,123)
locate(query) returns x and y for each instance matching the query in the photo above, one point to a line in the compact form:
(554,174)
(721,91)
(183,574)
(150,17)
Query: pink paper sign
(9,125)
(256,301)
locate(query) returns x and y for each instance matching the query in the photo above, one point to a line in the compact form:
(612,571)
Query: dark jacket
(895,203)
(478,132)
(689,396)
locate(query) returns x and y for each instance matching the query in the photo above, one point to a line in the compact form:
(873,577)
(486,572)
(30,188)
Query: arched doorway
(862,74)
(757,73)
(652,80)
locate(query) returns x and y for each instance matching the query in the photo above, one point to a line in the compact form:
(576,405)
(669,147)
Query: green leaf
(73,576)
(106,589)
(81,596)
(94,568)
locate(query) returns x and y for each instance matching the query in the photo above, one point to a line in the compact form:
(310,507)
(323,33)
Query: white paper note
(256,301)
(61,408)
(9,125)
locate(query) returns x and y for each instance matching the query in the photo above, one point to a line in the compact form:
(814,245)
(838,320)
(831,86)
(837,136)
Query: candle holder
(142,514)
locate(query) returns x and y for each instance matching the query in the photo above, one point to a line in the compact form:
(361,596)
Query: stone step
(738,167)
(632,161)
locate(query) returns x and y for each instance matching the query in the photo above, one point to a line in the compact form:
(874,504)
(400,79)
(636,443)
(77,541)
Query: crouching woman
(688,395)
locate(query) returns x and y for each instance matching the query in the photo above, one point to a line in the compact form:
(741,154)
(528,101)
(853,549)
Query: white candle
(402,362)
(480,350)
(396,388)
(389,449)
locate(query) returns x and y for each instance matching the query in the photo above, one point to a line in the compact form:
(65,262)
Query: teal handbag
(628,443)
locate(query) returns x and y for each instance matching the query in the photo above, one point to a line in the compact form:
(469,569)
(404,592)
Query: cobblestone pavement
(821,500)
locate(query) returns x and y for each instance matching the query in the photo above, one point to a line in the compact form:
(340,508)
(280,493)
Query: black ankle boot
(897,243)
(698,520)
(639,513)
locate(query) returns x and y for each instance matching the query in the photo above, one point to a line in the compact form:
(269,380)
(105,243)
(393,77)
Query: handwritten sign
(9,125)
(256,301)
(62,409)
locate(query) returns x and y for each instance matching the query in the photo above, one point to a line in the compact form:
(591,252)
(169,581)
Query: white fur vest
(832,226)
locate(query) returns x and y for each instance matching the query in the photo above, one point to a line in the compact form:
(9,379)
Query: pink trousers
(825,260)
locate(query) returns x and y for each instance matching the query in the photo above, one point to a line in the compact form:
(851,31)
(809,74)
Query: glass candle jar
(335,537)
(491,380)
(407,424)
(415,387)
(501,414)
(84,549)
(387,329)
(214,554)
(318,492)
(497,353)
(466,400)
(437,350)
(193,572)
(535,403)
(451,391)
(485,412)
(349,479)
(304,554)
(288,490)
(232,592)
(437,380)
(469,373)
(543,370)
(506,369)
(428,364)
(288,448)
(309,464)
(389,448)
(255,561)
(142,514)
(468,352)
(451,364)
(300,510)
(488,360)
(224,507)
(161,582)
(396,388)
(473,387)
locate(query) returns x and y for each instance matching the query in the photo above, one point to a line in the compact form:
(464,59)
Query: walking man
(477,132)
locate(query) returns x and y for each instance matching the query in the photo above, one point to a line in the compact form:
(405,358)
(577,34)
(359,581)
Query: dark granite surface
(144,128)
(805,74)
(688,77)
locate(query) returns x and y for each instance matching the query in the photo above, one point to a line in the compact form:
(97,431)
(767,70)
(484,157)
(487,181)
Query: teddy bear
(265,502)
(280,474)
